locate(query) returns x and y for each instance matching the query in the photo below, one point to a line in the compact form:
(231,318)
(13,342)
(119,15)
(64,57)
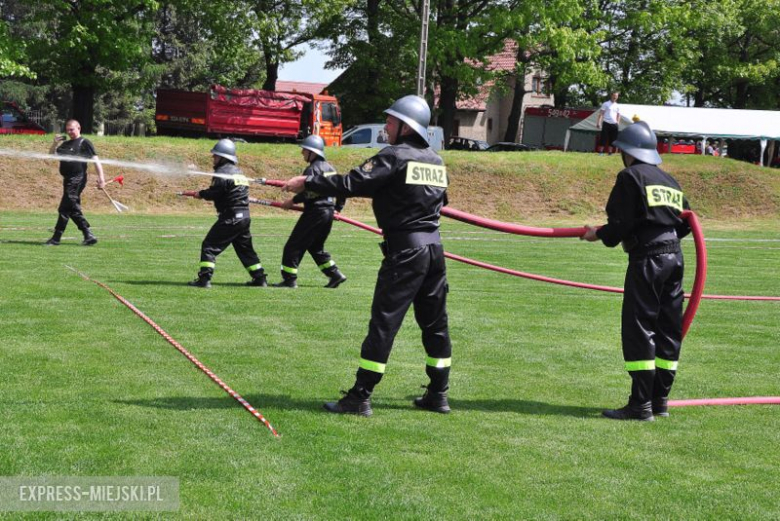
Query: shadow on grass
(523,407)
(261,401)
(41,243)
(175,283)
(213,284)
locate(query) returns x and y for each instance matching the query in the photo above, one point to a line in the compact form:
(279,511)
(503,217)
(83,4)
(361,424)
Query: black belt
(655,249)
(409,241)
(649,236)
(234,213)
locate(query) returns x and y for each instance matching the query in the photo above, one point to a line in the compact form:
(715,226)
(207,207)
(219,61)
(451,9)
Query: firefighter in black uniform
(314,225)
(230,192)
(643,213)
(407,182)
(74,180)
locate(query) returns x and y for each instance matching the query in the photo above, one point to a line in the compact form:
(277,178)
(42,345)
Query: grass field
(88,389)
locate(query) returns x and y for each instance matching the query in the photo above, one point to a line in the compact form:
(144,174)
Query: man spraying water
(74,180)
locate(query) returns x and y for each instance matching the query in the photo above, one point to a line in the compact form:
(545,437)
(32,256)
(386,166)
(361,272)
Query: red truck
(223,112)
(15,122)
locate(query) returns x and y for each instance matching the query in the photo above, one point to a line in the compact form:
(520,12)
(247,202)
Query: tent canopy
(695,122)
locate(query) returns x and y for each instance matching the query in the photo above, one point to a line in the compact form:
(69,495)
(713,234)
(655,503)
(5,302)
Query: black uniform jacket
(80,147)
(644,202)
(407,182)
(310,198)
(228,194)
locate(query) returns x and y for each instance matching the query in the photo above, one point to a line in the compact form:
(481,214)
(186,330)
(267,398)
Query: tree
(11,56)
(646,47)
(551,38)
(462,33)
(89,45)
(377,48)
(282,25)
(739,54)
(202,42)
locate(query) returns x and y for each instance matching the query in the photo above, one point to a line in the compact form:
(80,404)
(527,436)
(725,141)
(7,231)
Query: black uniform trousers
(609,132)
(70,204)
(309,234)
(652,323)
(223,233)
(409,277)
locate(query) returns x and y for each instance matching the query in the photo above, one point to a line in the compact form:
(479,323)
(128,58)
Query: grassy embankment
(542,187)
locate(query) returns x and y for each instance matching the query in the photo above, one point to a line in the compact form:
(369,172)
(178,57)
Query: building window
(490,125)
(540,86)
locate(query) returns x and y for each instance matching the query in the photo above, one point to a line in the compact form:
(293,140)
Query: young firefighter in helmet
(407,183)
(230,192)
(643,213)
(313,227)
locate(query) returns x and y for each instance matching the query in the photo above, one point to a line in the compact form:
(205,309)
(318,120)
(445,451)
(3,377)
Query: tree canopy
(103,58)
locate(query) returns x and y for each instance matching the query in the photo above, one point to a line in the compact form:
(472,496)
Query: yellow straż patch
(426,174)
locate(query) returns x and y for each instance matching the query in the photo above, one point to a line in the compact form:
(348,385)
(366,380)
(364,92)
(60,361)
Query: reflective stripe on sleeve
(375,367)
(640,365)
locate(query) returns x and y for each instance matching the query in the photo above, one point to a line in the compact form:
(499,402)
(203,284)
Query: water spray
(154,168)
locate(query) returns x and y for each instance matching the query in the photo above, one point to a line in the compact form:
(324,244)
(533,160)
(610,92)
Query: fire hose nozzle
(260,181)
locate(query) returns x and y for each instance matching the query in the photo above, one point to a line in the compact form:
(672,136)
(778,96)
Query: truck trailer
(248,113)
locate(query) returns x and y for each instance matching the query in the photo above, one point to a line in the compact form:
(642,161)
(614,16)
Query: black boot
(356,401)
(260,281)
(55,239)
(433,401)
(336,278)
(203,281)
(286,283)
(89,238)
(662,386)
(641,412)
(661,407)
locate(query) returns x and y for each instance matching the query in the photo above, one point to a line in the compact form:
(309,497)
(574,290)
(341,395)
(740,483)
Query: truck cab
(322,117)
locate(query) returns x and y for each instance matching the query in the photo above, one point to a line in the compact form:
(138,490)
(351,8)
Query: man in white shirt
(609,117)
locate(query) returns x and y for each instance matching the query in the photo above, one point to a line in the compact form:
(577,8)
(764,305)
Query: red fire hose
(701,253)
(510,228)
(693,221)
(690,310)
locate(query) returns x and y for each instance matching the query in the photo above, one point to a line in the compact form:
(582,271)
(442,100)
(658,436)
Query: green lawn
(88,389)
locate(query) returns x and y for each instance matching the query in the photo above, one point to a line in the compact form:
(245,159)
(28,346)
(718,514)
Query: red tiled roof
(502,61)
(478,102)
(303,87)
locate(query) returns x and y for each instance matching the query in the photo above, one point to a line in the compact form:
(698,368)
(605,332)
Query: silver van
(373,135)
